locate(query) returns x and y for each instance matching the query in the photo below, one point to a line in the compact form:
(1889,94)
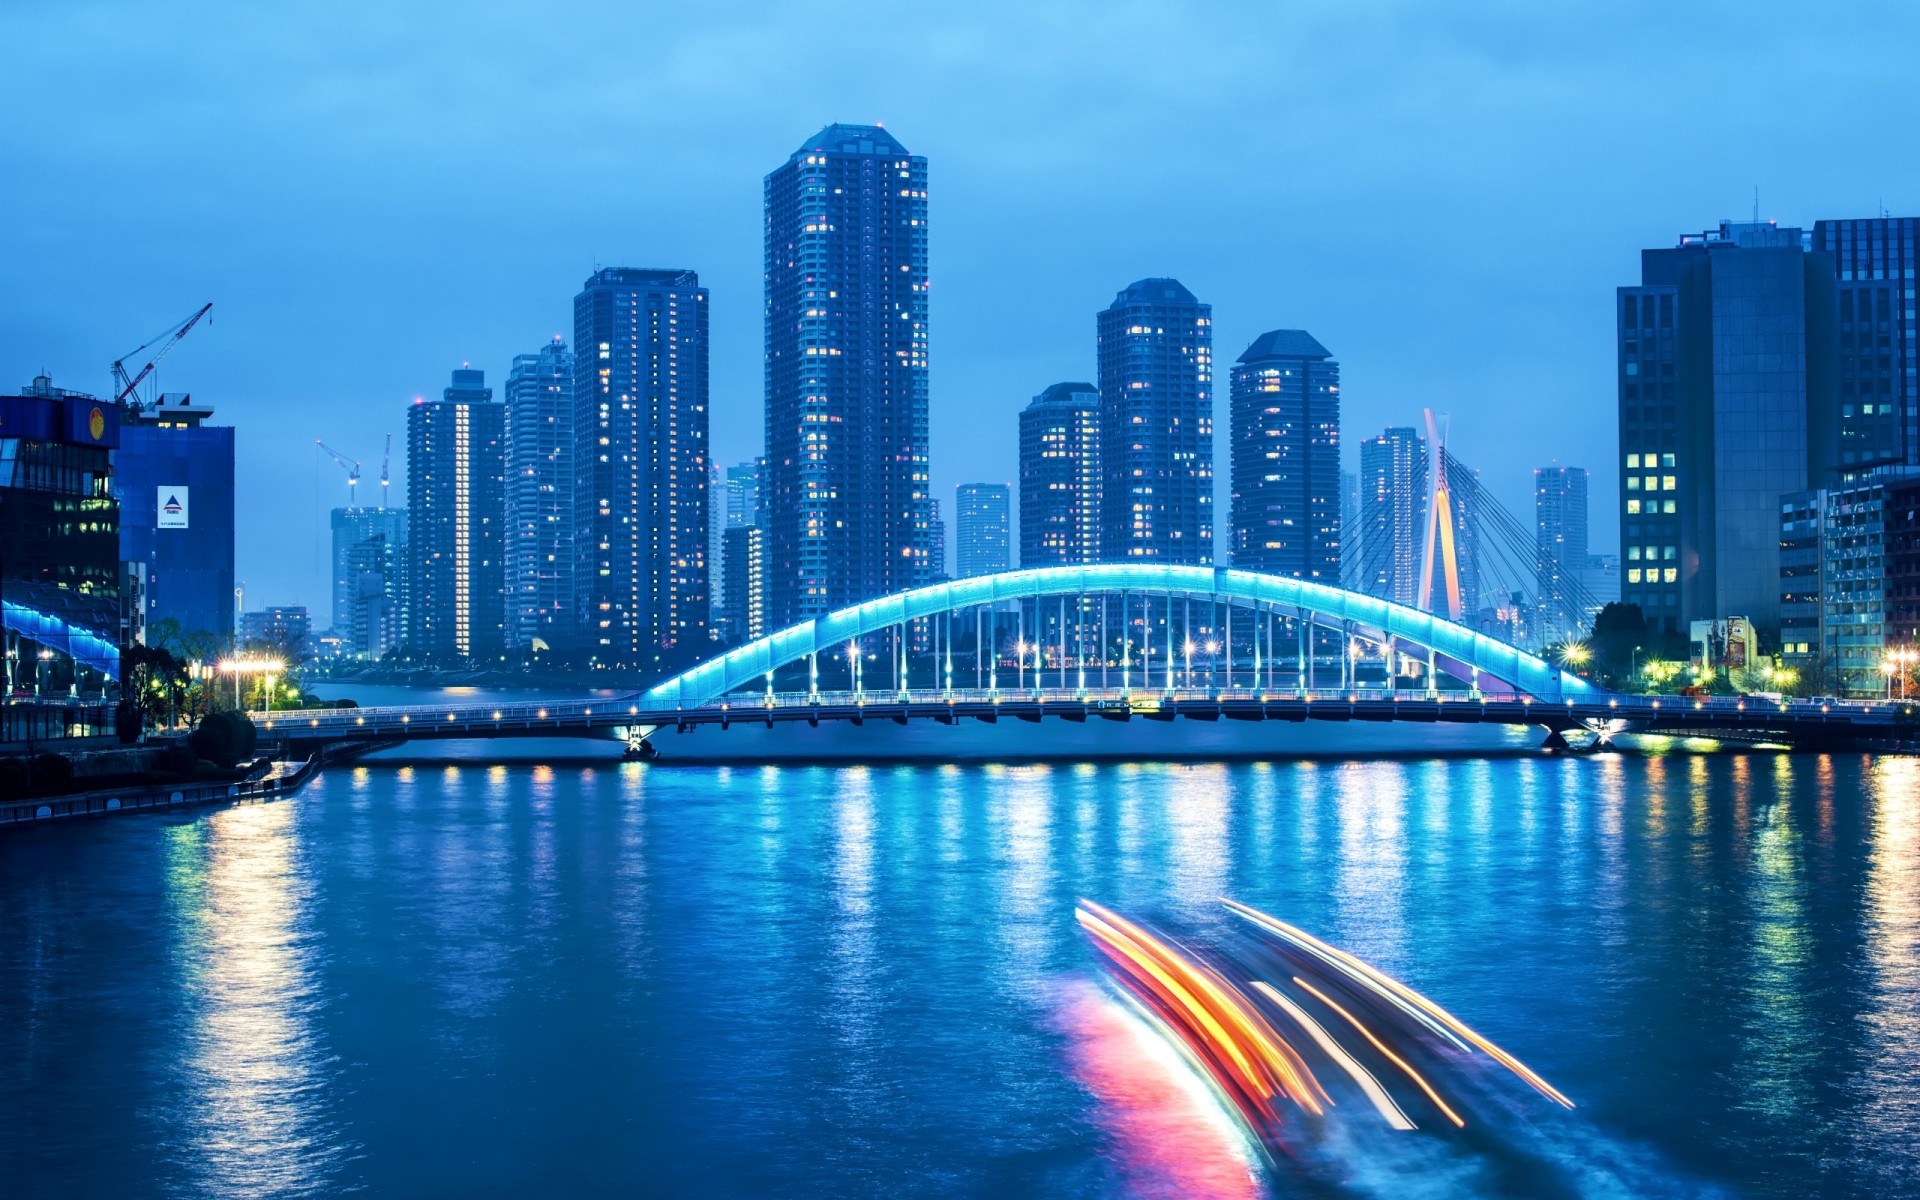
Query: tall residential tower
(456,519)
(1060,477)
(540,499)
(1156,412)
(846,495)
(1285,461)
(641,498)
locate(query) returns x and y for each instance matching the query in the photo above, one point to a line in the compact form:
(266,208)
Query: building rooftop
(1154,291)
(1284,343)
(642,277)
(852,139)
(1067,393)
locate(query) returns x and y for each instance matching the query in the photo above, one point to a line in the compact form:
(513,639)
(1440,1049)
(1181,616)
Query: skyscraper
(1560,545)
(937,542)
(982,540)
(456,521)
(846,372)
(1728,402)
(746,607)
(1156,414)
(1060,477)
(718,499)
(743,493)
(1879,363)
(1393,514)
(1285,462)
(541,456)
(640,403)
(352,526)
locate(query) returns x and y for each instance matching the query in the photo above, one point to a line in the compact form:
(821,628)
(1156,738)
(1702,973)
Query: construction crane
(386,458)
(350,465)
(126,396)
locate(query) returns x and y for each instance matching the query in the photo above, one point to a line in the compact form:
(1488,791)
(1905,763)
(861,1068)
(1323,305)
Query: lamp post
(237,667)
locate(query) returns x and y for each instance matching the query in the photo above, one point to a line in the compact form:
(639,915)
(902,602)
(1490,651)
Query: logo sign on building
(173,508)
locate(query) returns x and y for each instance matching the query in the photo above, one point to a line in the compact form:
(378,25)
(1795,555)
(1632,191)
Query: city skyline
(1485,322)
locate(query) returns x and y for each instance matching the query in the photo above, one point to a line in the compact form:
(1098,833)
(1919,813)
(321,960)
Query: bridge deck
(633,715)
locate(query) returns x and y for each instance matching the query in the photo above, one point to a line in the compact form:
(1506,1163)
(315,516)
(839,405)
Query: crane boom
(177,331)
(350,465)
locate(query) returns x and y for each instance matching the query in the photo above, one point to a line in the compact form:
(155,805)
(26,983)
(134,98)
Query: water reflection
(253,1107)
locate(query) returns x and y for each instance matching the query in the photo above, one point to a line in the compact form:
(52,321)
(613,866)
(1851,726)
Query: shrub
(13,778)
(224,738)
(178,759)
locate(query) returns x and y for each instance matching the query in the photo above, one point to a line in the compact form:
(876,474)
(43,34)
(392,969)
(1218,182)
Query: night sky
(372,194)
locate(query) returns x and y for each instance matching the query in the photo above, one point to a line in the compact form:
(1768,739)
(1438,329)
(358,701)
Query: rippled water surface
(492,981)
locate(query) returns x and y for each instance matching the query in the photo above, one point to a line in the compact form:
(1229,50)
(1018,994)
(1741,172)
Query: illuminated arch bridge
(1117,642)
(1142,628)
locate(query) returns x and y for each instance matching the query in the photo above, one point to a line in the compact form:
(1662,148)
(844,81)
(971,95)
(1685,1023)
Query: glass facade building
(174,474)
(1060,477)
(1284,423)
(1560,546)
(541,456)
(641,508)
(982,529)
(456,518)
(847,483)
(351,527)
(60,529)
(1392,515)
(1727,352)
(1879,365)
(1155,366)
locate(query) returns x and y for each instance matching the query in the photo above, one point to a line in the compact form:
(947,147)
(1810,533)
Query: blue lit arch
(1463,650)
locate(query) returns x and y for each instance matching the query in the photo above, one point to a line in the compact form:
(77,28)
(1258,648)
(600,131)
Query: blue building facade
(174,476)
(1156,417)
(1285,461)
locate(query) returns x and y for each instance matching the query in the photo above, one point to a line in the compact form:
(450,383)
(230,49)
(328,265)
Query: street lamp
(244,665)
(1575,654)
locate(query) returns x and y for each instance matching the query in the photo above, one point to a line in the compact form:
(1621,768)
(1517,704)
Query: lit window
(1633,575)
(1633,508)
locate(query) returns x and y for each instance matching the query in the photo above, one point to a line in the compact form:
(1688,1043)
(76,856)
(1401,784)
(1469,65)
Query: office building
(640,389)
(1602,582)
(846,487)
(717,500)
(1284,467)
(541,460)
(174,475)
(1802,561)
(1392,514)
(1350,552)
(1728,402)
(375,624)
(352,526)
(1560,549)
(456,522)
(1903,563)
(286,630)
(982,529)
(1878,363)
(60,535)
(1060,477)
(1155,367)
(743,494)
(744,556)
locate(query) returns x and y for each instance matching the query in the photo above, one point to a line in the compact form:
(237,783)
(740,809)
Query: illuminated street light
(246,665)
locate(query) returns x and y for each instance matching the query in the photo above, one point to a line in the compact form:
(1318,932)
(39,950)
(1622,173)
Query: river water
(814,980)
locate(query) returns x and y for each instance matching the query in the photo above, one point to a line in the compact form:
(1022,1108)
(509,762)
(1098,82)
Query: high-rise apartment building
(846,372)
(1284,421)
(1729,400)
(352,526)
(1878,363)
(717,501)
(1060,477)
(982,529)
(1155,367)
(375,620)
(746,589)
(1392,515)
(456,522)
(286,629)
(541,456)
(1560,548)
(174,475)
(641,499)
